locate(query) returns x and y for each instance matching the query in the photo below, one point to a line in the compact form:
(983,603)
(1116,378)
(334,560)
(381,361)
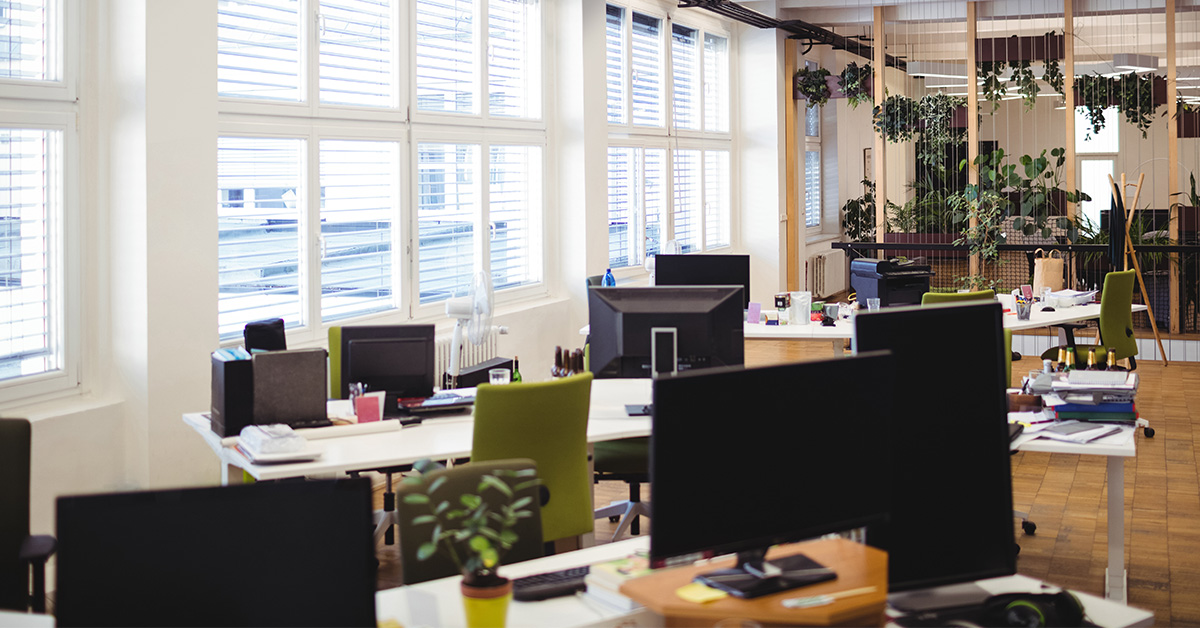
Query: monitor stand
(934,598)
(754,576)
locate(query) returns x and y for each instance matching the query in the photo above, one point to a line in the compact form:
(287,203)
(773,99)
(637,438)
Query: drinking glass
(499,376)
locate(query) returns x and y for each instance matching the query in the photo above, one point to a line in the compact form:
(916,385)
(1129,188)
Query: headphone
(1032,610)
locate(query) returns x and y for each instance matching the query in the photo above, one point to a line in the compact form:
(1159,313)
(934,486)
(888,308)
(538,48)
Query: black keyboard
(551,584)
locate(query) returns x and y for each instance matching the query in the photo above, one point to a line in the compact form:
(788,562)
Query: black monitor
(630,327)
(704,270)
(742,459)
(951,500)
(265,554)
(393,358)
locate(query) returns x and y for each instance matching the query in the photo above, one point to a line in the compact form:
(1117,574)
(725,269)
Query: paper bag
(1047,271)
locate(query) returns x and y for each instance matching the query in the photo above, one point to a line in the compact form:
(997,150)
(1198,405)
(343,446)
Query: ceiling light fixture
(1135,63)
(940,69)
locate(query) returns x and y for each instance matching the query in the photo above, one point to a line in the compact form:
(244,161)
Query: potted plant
(812,85)
(858,216)
(474,532)
(1132,94)
(896,119)
(855,83)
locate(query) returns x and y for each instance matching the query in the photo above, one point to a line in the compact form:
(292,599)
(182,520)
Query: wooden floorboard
(1066,497)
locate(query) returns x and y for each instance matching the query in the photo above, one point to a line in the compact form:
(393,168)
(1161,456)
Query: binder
(289,387)
(232,406)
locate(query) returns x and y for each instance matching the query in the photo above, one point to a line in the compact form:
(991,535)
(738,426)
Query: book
(1099,412)
(610,597)
(613,573)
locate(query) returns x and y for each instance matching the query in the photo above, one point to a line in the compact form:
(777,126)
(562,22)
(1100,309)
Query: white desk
(440,438)
(1114,575)
(1074,314)
(439,603)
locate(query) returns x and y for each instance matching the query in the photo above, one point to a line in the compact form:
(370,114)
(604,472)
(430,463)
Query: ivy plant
(858,215)
(811,84)
(979,211)
(937,111)
(991,85)
(1133,95)
(896,119)
(855,82)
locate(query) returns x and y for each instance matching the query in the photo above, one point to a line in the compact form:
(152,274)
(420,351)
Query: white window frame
(53,106)
(313,122)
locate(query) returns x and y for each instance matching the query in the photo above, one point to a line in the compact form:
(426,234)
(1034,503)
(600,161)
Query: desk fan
(473,312)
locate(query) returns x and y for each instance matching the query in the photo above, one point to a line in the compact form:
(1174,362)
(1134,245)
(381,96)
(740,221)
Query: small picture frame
(1027,291)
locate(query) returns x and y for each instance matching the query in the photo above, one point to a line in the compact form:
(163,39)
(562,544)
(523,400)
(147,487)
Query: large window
(39,330)
(668,110)
(329,209)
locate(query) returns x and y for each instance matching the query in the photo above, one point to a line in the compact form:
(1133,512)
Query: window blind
(716,198)
(647,67)
(357,64)
(514,70)
(716,83)
(447,212)
(258,49)
(685,64)
(25,43)
(688,199)
(446,66)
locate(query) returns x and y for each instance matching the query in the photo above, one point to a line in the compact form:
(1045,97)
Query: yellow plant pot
(486,607)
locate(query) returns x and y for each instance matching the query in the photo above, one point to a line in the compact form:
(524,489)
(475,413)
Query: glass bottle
(557,369)
(1091,363)
(1070,358)
(1112,361)
(1061,364)
(516,374)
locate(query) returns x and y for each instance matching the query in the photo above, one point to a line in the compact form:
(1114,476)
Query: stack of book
(604,580)
(1119,411)
(1086,400)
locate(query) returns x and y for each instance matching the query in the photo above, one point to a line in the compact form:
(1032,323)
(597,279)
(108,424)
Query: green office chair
(1116,321)
(20,552)
(547,422)
(954,297)
(454,482)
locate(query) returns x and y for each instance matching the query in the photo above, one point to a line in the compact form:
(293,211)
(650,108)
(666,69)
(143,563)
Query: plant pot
(486,607)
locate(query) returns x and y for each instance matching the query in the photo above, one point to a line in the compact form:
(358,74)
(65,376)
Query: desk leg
(230,474)
(589,539)
(837,346)
(1114,575)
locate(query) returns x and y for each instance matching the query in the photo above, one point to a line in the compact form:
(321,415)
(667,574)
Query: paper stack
(604,580)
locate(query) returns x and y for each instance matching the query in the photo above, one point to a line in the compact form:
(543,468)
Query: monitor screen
(704,270)
(394,358)
(265,554)
(627,326)
(741,459)
(951,501)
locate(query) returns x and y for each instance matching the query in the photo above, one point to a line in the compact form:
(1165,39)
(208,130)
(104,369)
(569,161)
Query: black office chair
(626,460)
(265,335)
(19,551)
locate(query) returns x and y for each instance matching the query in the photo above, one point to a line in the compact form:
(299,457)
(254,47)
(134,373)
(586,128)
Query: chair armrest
(37,548)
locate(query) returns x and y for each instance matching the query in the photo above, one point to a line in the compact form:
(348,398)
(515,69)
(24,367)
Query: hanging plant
(1027,86)
(992,86)
(811,84)
(896,119)
(1053,75)
(937,111)
(855,82)
(1131,93)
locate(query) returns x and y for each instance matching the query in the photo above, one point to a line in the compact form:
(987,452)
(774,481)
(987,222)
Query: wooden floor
(1066,497)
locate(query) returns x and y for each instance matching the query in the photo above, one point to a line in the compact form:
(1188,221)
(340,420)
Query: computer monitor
(631,327)
(742,459)
(265,554)
(393,358)
(704,270)
(951,498)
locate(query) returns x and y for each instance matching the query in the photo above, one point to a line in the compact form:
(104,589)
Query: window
(329,208)
(812,164)
(689,139)
(1107,140)
(39,330)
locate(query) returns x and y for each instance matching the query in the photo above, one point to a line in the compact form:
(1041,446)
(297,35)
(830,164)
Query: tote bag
(1047,271)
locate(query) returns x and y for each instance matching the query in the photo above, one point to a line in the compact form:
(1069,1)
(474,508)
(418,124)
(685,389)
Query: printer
(891,281)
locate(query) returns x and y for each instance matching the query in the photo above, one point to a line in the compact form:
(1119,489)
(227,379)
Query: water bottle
(608,280)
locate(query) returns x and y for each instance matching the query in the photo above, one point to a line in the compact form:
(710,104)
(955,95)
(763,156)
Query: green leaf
(488,533)
(426,550)
(411,480)
(423,519)
(508,537)
(522,502)
(471,501)
(490,557)
(479,543)
(441,508)
(416,498)
(436,484)
(496,483)
(1018,222)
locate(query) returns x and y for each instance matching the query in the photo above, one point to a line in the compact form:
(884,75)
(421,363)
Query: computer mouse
(1047,309)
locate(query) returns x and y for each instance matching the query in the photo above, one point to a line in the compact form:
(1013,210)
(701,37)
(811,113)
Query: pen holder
(1024,308)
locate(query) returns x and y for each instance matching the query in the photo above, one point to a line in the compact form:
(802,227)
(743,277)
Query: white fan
(474,312)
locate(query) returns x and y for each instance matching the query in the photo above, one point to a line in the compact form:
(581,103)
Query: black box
(478,374)
(232,406)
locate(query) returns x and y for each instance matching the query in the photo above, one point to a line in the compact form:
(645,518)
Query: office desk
(1074,314)
(440,438)
(1114,575)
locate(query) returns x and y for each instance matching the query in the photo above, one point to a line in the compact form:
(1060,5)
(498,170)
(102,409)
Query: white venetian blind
(716,198)
(685,64)
(258,49)
(647,66)
(614,56)
(357,65)
(656,196)
(812,188)
(716,83)
(514,195)
(514,68)
(446,64)
(359,191)
(24,42)
(259,181)
(447,212)
(29,299)
(623,184)
(688,199)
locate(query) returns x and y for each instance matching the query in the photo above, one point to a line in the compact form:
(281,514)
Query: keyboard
(551,584)
(1097,378)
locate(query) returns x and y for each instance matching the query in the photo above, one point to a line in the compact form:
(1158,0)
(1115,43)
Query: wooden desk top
(856,566)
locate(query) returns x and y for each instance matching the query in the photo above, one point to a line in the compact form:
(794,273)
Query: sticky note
(699,593)
(753,312)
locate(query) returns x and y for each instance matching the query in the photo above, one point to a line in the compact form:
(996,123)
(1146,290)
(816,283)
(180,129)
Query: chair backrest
(335,362)
(456,482)
(1116,320)
(954,297)
(1007,358)
(547,422)
(14,504)
(595,280)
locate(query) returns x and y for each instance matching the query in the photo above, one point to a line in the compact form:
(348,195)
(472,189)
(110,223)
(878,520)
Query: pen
(827,598)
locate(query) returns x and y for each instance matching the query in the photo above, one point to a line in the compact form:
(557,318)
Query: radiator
(471,354)
(827,273)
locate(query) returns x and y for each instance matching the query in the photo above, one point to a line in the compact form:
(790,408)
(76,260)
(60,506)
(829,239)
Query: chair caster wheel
(1148,431)
(613,519)
(1016,356)
(1029,527)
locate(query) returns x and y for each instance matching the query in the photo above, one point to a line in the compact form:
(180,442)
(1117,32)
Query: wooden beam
(972,118)
(879,158)
(1173,183)
(792,224)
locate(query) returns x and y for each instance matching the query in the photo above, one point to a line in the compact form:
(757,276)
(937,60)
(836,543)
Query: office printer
(891,281)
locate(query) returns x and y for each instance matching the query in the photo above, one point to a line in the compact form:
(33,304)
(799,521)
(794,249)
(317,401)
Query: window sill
(819,238)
